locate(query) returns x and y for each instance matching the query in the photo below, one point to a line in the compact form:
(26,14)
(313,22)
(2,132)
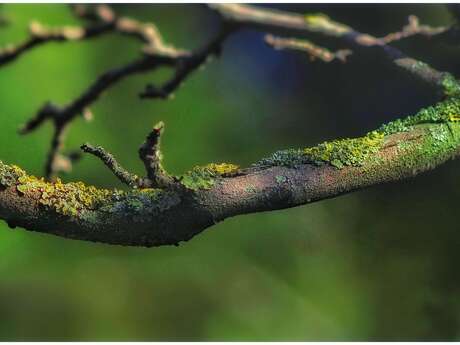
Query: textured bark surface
(143,218)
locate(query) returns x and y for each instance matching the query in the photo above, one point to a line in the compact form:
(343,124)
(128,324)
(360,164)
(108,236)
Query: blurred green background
(379,264)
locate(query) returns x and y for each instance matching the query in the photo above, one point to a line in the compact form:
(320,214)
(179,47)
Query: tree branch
(413,28)
(102,20)
(163,209)
(275,21)
(149,153)
(159,54)
(156,54)
(151,156)
(315,52)
(154,217)
(110,161)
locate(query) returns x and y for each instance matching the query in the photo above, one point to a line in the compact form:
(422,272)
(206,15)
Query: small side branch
(63,116)
(110,161)
(156,53)
(414,28)
(150,154)
(315,51)
(188,64)
(275,21)
(40,34)
(102,20)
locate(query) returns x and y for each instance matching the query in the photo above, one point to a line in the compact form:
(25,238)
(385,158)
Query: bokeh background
(379,264)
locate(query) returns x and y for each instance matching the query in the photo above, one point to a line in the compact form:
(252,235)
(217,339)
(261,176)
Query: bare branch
(156,53)
(274,21)
(187,64)
(63,116)
(102,20)
(413,28)
(315,52)
(151,156)
(149,153)
(110,161)
(40,35)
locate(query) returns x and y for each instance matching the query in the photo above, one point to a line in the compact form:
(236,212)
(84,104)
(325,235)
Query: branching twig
(62,116)
(40,35)
(186,65)
(149,153)
(102,20)
(413,28)
(315,52)
(110,161)
(274,21)
(156,53)
(151,156)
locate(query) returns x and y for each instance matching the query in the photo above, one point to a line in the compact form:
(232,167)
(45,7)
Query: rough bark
(155,217)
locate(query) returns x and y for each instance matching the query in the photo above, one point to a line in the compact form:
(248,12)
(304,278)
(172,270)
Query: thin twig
(102,20)
(156,53)
(150,154)
(414,28)
(188,64)
(315,51)
(275,21)
(109,160)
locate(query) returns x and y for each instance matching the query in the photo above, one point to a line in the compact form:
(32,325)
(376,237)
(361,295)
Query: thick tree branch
(153,217)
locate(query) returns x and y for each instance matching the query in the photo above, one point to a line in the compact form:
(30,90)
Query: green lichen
(204,177)
(338,153)
(290,158)
(447,111)
(250,189)
(76,198)
(280,179)
(9,174)
(68,199)
(433,149)
(451,85)
(343,152)
(357,151)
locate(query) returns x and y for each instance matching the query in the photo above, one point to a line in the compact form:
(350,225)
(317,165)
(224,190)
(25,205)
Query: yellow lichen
(346,151)
(321,22)
(202,177)
(65,198)
(222,168)
(454,117)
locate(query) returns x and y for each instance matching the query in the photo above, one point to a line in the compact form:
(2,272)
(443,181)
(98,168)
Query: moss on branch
(357,151)
(151,217)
